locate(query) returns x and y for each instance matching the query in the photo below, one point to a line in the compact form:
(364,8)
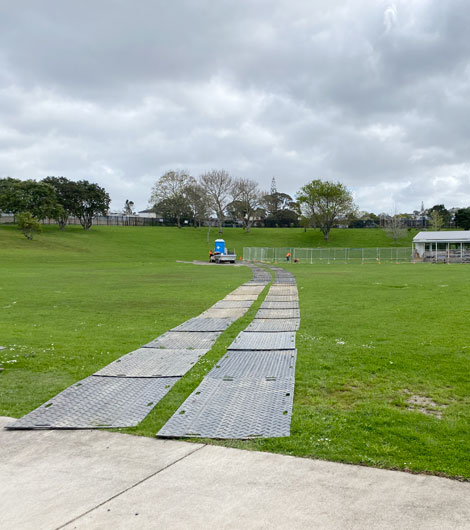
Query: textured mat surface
(280,305)
(232,304)
(243,408)
(274,324)
(153,362)
(278,313)
(258,365)
(280,298)
(283,290)
(98,402)
(184,339)
(284,340)
(215,312)
(205,324)
(242,297)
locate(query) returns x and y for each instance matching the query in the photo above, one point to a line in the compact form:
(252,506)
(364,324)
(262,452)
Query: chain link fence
(327,255)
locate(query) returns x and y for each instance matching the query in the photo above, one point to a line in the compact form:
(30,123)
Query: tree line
(178,195)
(52,198)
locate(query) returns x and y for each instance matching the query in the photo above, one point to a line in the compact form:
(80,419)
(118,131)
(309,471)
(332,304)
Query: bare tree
(248,201)
(394,227)
(198,203)
(170,189)
(219,188)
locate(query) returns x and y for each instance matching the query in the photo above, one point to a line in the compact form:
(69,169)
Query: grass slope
(371,335)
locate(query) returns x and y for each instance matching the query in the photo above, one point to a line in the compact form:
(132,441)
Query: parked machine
(222,254)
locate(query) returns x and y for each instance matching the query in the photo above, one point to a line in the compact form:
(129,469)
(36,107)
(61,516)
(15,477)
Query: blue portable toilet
(220,246)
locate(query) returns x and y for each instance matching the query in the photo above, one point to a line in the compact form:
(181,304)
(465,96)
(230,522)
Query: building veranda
(442,247)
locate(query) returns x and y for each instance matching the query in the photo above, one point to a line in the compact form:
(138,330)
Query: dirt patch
(425,405)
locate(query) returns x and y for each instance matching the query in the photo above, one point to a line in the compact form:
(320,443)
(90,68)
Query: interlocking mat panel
(274,325)
(224,313)
(183,340)
(264,364)
(153,362)
(242,408)
(205,324)
(278,313)
(232,304)
(280,305)
(98,402)
(283,340)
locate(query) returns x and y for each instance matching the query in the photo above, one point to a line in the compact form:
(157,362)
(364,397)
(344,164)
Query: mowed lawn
(377,343)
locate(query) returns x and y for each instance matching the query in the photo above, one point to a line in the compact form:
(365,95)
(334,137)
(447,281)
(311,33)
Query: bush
(28,224)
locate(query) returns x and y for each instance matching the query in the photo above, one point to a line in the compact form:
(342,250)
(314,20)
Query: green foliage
(462,218)
(436,220)
(443,213)
(28,224)
(38,198)
(88,200)
(66,192)
(325,202)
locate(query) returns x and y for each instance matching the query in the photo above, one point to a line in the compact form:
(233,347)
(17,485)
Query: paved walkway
(98,480)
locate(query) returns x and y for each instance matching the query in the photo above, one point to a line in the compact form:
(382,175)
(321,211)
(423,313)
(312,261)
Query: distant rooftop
(453,236)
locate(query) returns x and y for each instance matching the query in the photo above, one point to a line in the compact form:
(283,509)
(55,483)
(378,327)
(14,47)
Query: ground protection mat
(274,324)
(205,324)
(232,304)
(284,340)
(280,305)
(278,313)
(98,402)
(183,340)
(283,290)
(250,297)
(286,298)
(153,362)
(242,408)
(263,364)
(224,313)
(248,289)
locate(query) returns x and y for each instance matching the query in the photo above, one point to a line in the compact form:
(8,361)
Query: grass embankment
(372,337)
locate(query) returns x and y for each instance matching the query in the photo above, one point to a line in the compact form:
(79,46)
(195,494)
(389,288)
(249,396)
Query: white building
(448,246)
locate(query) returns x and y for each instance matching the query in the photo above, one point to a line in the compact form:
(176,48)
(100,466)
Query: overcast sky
(375,94)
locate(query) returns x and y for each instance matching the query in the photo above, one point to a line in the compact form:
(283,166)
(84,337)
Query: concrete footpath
(93,479)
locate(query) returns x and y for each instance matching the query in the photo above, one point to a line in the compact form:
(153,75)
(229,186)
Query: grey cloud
(374,94)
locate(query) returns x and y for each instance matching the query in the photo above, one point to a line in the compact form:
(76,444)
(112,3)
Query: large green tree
(325,202)
(88,200)
(444,214)
(37,198)
(462,218)
(66,192)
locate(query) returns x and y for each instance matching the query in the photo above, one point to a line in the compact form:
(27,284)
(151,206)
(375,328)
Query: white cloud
(373,94)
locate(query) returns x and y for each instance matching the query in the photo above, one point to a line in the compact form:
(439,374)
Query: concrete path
(99,480)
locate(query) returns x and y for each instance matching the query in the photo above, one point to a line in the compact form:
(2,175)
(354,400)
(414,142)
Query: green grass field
(372,338)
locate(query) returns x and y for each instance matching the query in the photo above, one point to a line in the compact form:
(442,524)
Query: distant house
(149,214)
(448,246)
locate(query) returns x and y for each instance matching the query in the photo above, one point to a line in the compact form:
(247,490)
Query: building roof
(452,236)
